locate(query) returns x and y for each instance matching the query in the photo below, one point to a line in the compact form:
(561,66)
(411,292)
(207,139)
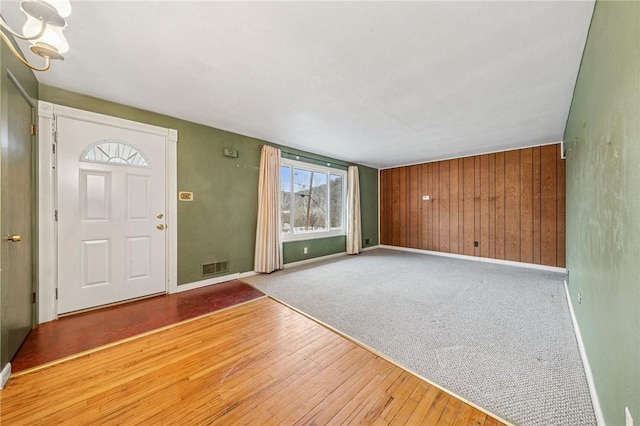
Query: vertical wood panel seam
(495,208)
(504,194)
(449,209)
(533,210)
(407,211)
(494,204)
(463,206)
(440,208)
(540,207)
(520,212)
(520,205)
(437,185)
(475,225)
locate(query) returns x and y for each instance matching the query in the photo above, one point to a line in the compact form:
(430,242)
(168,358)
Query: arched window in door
(115,153)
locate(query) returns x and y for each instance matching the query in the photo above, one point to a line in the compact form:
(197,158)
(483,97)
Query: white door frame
(47,225)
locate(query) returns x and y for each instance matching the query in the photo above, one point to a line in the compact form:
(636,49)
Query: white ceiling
(378,83)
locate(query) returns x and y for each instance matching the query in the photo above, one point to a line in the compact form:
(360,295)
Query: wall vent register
(215,268)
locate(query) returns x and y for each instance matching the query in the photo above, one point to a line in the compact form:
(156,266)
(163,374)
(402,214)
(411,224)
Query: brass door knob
(160,227)
(159,215)
(14,238)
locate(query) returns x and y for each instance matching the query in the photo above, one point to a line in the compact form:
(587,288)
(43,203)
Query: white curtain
(268,255)
(354,232)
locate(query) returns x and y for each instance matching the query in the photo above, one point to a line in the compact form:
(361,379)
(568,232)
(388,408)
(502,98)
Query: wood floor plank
(331,405)
(275,400)
(450,412)
(330,385)
(296,409)
(418,415)
(259,363)
(490,421)
(400,391)
(261,402)
(477,418)
(409,405)
(437,408)
(370,401)
(463,416)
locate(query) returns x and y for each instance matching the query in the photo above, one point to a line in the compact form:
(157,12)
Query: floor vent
(215,268)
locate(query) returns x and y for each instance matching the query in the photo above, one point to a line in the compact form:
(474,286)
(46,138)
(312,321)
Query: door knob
(160,227)
(159,215)
(14,238)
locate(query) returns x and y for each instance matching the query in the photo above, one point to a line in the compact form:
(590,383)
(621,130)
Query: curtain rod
(315,160)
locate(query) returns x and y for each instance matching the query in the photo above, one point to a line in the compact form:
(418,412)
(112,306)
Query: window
(114,152)
(312,200)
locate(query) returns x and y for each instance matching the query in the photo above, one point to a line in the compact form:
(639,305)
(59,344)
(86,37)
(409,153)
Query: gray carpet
(499,336)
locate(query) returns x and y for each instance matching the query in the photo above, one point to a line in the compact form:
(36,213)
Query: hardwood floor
(88,330)
(258,363)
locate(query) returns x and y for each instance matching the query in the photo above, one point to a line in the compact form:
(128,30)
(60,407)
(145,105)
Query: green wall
(603,205)
(293,251)
(220,223)
(28,82)
(369,205)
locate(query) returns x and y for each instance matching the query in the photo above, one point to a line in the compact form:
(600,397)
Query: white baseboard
(238,275)
(370,248)
(4,375)
(313,260)
(248,274)
(204,283)
(216,280)
(585,362)
(478,259)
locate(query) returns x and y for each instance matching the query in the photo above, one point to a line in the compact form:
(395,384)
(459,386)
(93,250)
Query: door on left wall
(17,223)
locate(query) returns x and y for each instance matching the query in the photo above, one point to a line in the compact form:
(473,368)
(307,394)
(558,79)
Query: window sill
(312,236)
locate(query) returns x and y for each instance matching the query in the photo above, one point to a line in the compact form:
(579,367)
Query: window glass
(114,152)
(311,200)
(285,199)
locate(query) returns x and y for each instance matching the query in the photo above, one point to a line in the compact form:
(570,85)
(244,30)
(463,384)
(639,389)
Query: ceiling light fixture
(43,29)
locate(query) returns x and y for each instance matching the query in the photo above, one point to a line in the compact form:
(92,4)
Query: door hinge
(55,215)
(33,299)
(56,293)
(53,147)
(33,129)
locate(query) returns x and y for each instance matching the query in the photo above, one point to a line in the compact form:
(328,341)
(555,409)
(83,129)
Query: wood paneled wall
(511,203)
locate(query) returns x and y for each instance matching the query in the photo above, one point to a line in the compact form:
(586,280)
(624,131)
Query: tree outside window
(312,199)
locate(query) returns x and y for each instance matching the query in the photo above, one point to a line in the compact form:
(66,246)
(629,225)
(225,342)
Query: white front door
(111,214)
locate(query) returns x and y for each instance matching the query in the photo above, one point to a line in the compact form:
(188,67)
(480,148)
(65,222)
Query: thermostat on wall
(185,196)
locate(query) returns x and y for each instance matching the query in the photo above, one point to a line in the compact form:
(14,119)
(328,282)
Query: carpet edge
(386,358)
